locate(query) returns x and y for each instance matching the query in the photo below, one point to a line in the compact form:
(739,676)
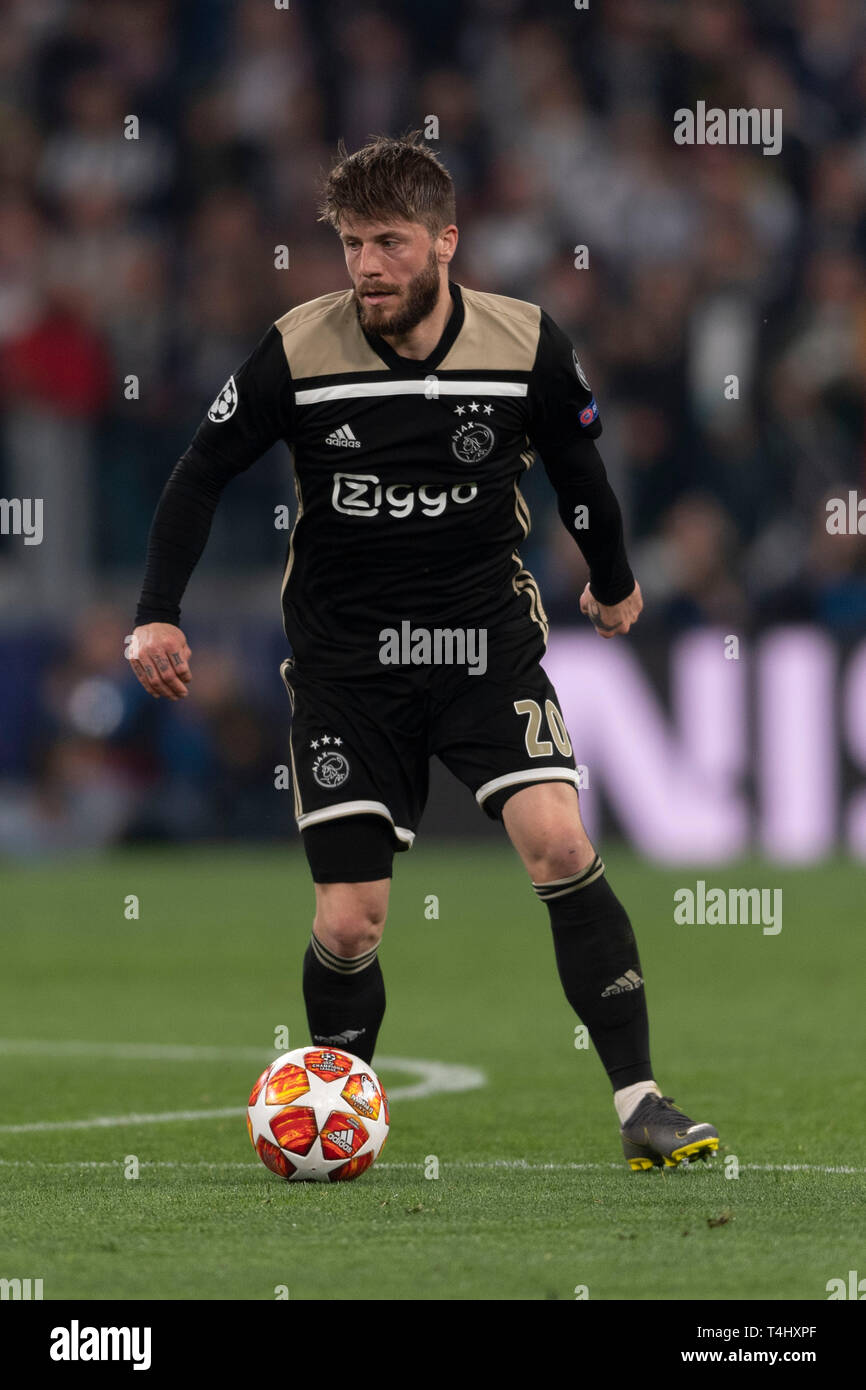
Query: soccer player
(412,405)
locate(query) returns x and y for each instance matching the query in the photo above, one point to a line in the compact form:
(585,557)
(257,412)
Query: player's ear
(446,243)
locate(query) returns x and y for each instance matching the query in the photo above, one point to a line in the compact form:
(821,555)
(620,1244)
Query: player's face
(395,273)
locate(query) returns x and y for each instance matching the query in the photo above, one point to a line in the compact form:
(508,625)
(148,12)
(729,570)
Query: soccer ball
(318,1114)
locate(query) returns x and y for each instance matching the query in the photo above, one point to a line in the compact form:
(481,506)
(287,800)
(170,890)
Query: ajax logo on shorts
(225,404)
(330,768)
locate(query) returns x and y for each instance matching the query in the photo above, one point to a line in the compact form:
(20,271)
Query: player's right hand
(159,655)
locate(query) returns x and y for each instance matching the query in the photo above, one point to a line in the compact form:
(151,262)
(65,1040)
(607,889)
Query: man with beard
(411,405)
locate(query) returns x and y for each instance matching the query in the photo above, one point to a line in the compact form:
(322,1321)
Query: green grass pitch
(764,1035)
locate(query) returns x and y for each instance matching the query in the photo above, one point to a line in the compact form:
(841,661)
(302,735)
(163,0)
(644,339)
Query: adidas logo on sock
(630,980)
(344,438)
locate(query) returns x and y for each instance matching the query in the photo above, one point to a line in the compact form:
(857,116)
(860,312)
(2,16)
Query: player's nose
(368,267)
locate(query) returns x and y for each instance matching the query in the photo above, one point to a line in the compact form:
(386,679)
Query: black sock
(345,999)
(599,967)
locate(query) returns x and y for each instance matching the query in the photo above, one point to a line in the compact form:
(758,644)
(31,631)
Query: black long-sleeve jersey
(407,474)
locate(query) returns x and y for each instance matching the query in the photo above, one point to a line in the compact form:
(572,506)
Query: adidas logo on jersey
(630,980)
(344,438)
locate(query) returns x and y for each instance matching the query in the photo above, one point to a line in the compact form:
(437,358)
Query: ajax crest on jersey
(318,1114)
(225,404)
(472,441)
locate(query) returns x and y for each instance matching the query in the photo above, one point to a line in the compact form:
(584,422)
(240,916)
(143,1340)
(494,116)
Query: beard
(417,300)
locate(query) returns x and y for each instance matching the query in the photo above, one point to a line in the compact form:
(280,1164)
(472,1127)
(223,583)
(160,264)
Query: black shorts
(362,745)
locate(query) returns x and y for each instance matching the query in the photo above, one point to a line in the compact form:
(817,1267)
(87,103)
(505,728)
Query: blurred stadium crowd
(153,258)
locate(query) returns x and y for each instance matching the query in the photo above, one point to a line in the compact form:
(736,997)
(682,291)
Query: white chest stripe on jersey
(430,386)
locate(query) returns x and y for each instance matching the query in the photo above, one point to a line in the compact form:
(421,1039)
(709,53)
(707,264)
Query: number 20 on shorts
(542,747)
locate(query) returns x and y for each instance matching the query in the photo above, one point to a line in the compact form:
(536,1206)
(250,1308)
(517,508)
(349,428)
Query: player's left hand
(613,620)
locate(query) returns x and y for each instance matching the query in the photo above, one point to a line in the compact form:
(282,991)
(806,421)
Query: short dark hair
(388,178)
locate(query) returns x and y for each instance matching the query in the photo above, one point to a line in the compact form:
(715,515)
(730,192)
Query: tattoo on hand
(595,615)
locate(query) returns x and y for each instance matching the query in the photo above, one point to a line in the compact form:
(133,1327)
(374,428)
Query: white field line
(120,1121)
(436,1078)
(132,1052)
(517,1164)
